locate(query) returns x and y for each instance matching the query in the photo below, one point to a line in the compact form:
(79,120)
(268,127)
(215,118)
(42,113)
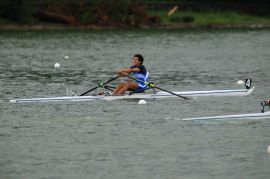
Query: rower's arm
(128,70)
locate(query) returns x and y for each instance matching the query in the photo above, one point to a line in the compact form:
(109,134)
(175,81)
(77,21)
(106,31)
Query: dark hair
(140,57)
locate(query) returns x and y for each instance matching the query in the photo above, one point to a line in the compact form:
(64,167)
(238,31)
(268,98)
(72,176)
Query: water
(122,139)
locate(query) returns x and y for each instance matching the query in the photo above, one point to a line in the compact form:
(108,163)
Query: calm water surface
(122,139)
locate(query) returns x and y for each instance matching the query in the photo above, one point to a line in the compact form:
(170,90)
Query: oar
(151,85)
(110,80)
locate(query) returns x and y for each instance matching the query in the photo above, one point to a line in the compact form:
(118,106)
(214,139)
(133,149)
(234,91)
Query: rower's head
(138,57)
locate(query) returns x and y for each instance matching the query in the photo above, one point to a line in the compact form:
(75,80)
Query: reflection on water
(68,76)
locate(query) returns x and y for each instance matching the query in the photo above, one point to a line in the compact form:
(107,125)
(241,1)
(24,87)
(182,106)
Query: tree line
(111,12)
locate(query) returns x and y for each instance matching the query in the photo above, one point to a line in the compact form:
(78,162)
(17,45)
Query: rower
(140,73)
(265,103)
(268,102)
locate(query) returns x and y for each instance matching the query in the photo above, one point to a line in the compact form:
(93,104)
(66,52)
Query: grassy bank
(210,18)
(179,19)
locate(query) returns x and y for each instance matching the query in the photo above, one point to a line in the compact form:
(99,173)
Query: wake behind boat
(144,95)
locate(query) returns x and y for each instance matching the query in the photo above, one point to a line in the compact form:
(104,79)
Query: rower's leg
(118,88)
(128,86)
(123,88)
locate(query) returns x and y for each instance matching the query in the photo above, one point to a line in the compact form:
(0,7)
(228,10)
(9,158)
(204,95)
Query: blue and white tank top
(141,76)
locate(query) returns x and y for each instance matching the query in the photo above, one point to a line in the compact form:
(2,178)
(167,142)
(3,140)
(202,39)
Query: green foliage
(227,17)
(129,12)
(211,17)
(183,19)
(114,11)
(21,11)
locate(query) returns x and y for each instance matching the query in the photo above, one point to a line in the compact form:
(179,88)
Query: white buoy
(240,82)
(66,57)
(268,149)
(142,101)
(57,65)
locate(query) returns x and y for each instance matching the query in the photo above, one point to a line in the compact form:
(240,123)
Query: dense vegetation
(73,12)
(130,12)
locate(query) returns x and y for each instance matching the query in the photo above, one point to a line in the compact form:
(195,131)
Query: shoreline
(124,27)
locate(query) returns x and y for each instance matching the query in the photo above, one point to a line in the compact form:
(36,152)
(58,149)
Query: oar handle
(151,85)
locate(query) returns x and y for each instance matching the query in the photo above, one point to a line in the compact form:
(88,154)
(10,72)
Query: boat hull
(158,95)
(264,115)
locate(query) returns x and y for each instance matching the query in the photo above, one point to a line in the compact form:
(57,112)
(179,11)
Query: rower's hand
(121,73)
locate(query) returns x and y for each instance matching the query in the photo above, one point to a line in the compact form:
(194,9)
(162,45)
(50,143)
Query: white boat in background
(261,115)
(264,115)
